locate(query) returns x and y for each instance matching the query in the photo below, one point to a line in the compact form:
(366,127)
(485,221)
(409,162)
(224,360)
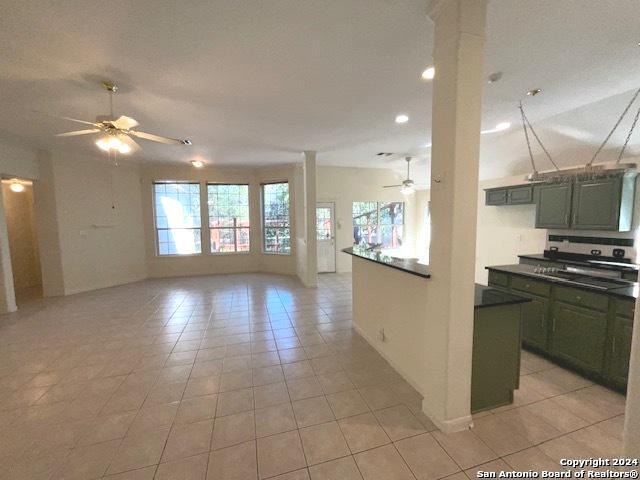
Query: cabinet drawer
(582,298)
(530,286)
(520,195)
(496,197)
(625,308)
(498,278)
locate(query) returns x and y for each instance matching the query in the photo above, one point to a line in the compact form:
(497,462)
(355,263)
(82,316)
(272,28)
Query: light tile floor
(253,376)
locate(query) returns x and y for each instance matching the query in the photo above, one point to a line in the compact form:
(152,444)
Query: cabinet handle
(553,324)
(613,346)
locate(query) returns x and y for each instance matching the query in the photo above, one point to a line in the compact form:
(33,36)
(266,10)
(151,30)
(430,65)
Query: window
(275,218)
(177,212)
(378,223)
(228,217)
(323,223)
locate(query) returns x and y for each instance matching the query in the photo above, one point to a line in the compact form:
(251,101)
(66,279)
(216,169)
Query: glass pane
(365,213)
(275,214)
(177,205)
(392,213)
(242,237)
(323,223)
(365,235)
(277,240)
(228,207)
(222,240)
(179,241)
(391,236)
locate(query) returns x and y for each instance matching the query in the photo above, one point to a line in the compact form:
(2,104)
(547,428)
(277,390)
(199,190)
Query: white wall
(504,232)
(98,222)
(207,263)
(17,160)
(343,186)
(23,244)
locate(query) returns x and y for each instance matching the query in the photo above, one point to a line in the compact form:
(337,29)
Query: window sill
(282,254)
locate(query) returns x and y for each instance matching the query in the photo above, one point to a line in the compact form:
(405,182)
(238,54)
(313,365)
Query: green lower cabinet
(578,336)
(496,356)
(620,350)
(535,330)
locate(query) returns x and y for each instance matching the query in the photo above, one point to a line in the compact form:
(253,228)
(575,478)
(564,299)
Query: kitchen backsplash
(586,243)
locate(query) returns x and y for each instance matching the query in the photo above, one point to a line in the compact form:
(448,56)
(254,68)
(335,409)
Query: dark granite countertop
(592,263)
(629,291)
(409,265)
(492,297)
(484,296)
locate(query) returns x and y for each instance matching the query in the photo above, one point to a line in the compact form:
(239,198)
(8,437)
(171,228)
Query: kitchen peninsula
(390,311)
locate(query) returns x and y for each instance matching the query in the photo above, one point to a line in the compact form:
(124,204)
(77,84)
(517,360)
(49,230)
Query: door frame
(332,205)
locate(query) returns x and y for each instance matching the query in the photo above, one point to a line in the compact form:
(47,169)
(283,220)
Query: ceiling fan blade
(158,138)
(392,186)
(79,121)
(124,123)
(78,132)
(133,145)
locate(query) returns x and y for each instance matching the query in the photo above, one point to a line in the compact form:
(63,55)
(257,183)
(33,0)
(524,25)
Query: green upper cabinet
(516,195)
(603,204)
(596,204)
(554,205)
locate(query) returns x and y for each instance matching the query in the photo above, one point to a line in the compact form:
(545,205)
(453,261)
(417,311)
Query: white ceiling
(255,82)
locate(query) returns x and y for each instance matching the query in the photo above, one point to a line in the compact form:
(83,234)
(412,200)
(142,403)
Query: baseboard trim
(396,367)
(116,283)
(448,426)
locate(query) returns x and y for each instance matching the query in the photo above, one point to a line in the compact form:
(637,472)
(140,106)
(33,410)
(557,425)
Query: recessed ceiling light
(428,73)
(197,163)
(534,92)
(402,118)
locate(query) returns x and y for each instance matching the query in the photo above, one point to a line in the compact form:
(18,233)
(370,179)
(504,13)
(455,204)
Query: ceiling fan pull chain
(626,141)
(526,136)
(633,99)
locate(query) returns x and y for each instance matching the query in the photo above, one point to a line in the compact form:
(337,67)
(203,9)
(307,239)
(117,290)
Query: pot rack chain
(606,140)
(525,124)
(626,141)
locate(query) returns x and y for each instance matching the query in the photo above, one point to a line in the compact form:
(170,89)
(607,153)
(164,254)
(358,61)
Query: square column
(457,100)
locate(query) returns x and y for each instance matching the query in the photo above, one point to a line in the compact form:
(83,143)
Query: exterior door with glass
(325,233)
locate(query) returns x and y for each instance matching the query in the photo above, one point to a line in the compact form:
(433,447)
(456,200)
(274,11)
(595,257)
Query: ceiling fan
(118,132)
(407,187)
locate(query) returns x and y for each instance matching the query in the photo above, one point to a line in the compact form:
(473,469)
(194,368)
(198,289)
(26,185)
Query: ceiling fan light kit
(16,186)
(408,186)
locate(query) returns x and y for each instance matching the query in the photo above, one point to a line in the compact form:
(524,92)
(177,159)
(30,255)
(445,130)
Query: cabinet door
(578,336)
(596,204)
(620,350)
(554,206)
(496,196)
(520,195)
(534,322)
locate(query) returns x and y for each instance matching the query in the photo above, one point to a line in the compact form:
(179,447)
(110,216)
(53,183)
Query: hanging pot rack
(591,170)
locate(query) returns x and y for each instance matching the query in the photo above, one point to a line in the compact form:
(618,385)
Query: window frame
(209,228)
(263,228)
(155,218)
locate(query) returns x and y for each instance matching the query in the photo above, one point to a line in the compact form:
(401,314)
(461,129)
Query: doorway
(326,236)
(17,196)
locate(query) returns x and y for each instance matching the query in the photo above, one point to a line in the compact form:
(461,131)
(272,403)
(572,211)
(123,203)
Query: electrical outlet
(381,335)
